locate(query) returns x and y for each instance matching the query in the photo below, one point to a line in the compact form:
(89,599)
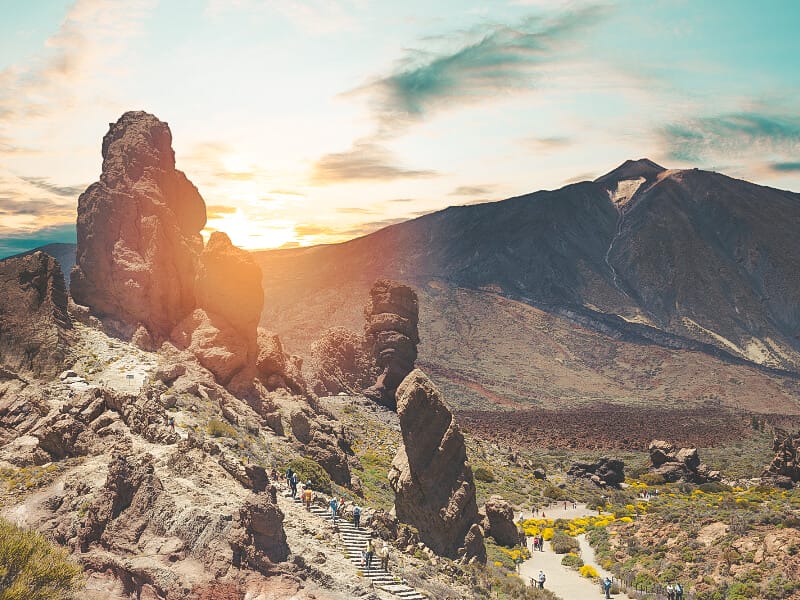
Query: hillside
(644,285)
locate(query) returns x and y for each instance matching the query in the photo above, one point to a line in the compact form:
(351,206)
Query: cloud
(785,167)
(310,16)
(355,210)
(546,144)
(400,200)
(472,190)
(366,160)
(216,211)
(732,135)
(28,241)
(489,60)
(66,191)
(581,177)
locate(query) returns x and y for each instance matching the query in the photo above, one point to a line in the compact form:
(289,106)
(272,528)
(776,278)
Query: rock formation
(392,315)
(784,468)
(430,476)
(679,464)
(138,234)
(340,362)
(34,324)
(603,472)
(499,521)
(258,539)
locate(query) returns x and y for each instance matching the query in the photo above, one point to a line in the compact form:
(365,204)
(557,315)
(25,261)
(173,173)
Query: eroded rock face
(392,316)
(499,522)
(340,363)
(433,485)
(138,234)
(34,324)
(258,539)
(679,464)
(786,463)
(604,472)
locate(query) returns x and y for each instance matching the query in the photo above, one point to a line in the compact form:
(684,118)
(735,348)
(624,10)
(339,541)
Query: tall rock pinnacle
(138,233)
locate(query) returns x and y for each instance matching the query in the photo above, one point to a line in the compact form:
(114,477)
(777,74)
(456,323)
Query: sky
(315,121)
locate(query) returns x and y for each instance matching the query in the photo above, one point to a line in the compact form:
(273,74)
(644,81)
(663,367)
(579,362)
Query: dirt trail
(565,582)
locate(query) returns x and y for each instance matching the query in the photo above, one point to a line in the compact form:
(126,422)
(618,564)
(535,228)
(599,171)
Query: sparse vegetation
(218,428)
(308,469)
(31,568)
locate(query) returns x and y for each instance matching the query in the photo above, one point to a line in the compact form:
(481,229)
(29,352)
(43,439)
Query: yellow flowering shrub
(588,571)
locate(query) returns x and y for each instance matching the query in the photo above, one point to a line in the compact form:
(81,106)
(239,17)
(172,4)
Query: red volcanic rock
(34,325)
(433,485)
(257,539)
(228,284)
(392,315)
(340,362)
(214,343)
(138,233)
(786,462)
(679,464)
(499,522)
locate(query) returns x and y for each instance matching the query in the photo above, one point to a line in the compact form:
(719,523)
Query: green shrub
(563,543)
(33,569)
(308,469)
(554,492)
(484,474)
(217,428)
(714,487)
(572,560)
(652,478)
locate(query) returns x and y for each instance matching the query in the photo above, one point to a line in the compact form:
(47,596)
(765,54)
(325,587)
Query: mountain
(683,274)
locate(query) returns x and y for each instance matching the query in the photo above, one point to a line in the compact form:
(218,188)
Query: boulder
(340,362)
(432,481)
(257,538)
(786,462)
(392,316)
(474,546)
(35,329)
(499,521)
(679,464)
(138,234)
(605,472)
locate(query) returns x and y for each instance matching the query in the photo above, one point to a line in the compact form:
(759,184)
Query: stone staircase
(354,540)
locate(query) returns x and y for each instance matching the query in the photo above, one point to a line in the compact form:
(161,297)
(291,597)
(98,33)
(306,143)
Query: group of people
(674,591)
(369,552)
(538,542)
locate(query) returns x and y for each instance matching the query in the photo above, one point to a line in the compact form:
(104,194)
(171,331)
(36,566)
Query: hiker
(670,592)
(541,579)
(678,591)
(172,424)
(307,494)
(274,475)
(293,483)
(574,505)
(334,504)
(357,516)
(369,551)
(565,505)
(289,474)
(607,586)
(273,493)
(385,556)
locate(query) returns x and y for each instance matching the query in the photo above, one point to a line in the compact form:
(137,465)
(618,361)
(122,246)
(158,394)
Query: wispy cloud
(785,167)
(364,161)
(733,135)
(216,211)
(67,191)
(472,190)
(310,16)
(488,60)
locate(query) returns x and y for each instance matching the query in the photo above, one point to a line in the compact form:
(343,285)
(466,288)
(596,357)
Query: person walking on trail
(670,592)
(384,553)
(172,424)
(293,483)
(541,579)
(369,551)
(289,474)
(357,516)
(678,591)
(607,586)
(307,494)
(334,504)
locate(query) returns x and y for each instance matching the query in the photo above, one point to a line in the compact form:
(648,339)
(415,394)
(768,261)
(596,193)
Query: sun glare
(251,234)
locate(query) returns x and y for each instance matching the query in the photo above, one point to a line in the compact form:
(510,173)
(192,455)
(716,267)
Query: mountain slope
(685,260)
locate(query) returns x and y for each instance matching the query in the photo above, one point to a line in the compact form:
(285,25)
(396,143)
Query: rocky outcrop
(34,324)
(340,363)
(499,521)
(430,476)
(785,466)
(258,539)
(605,472)
(275,368)
(392,315)
(679,464)
(138,234)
